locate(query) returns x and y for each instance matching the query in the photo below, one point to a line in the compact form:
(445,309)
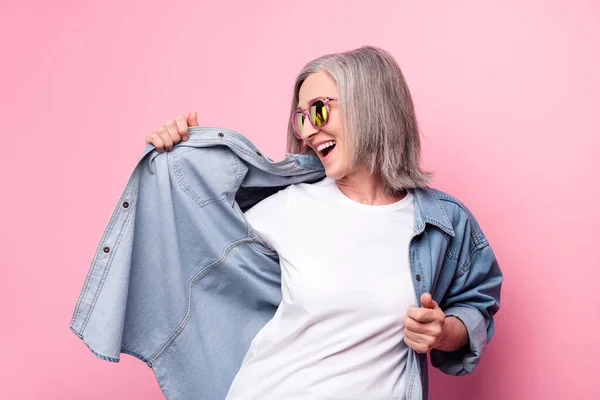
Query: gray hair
(377,112)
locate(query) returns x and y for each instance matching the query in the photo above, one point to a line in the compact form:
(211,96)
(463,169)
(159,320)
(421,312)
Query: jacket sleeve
(473,297)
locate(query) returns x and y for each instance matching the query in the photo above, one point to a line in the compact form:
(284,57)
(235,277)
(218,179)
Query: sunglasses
(317,112)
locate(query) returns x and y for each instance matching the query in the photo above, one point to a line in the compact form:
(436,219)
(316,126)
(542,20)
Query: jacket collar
(429,210)
(428,207)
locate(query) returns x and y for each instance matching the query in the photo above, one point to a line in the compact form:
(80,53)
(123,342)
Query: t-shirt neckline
(402,203)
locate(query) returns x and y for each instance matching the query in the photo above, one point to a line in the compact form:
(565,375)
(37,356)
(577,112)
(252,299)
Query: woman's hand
(172,132)
(424,326)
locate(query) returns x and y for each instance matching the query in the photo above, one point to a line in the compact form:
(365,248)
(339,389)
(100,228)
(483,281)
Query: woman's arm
(473,298)
(454,335)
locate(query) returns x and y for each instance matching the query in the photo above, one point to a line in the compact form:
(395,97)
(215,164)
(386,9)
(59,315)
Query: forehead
(319,84)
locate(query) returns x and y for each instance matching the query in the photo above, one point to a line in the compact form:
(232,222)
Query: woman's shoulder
(428,193)
(458,214)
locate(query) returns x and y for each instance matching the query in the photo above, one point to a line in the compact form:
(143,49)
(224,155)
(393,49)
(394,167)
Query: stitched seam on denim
(109,262)
(133,353)
(228,131)
(257,244)
(186,188)
(412,251)
(271,166)
(242,138)
(440,224)
(72,328)
(105,234)
(411,382)
(452,255)
(463,267)
(444,213)
(180,179)
(429,219)
(476,234)
(133,181)
(479,240)
(466,266)
(420,283)
(411,264)
(244,151)
(413,376)
(188,314)
(238,171)
(103,357)
(478,246)
(279,168)
(279,164)
(419,223)
(303,164)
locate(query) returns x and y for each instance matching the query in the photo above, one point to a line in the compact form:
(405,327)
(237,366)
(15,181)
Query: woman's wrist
(454,335)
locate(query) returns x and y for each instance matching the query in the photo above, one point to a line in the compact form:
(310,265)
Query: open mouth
(326,148)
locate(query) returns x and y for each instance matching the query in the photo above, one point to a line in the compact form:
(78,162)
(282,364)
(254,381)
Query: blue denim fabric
(181,281)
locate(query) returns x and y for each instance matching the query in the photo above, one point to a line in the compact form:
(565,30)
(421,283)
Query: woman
(353,310)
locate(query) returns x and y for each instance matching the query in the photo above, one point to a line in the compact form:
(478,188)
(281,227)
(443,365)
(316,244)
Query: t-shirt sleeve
(268,217)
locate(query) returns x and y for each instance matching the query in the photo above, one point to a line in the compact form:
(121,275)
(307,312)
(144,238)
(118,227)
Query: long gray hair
(377,112)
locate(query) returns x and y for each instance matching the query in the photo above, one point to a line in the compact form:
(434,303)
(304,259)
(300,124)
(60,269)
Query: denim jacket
(181,281)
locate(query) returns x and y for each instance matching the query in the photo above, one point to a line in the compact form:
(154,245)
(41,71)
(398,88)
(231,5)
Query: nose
(307,130)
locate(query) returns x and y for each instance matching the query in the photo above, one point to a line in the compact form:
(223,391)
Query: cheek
(335,129)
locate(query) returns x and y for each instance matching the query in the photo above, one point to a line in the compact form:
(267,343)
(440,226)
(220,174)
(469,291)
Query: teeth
(325,145)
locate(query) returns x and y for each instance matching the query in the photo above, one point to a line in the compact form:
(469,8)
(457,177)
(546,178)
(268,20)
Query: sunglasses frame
(305,113)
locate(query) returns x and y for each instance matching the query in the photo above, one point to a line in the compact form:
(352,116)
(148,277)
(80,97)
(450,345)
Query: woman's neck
(365,188)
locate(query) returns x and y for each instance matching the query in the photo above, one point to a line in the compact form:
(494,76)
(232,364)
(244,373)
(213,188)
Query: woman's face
(335,159)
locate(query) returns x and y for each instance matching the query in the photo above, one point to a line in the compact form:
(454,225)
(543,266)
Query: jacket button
(418,277)
(126,205)
(106,249)
(221,134)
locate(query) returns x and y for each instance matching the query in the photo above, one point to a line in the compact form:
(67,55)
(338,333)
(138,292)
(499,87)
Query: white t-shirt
(346,286)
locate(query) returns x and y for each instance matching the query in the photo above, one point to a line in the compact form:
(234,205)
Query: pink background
(507,95)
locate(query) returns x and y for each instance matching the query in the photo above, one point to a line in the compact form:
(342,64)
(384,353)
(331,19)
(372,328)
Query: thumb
(192,118)
(427,301)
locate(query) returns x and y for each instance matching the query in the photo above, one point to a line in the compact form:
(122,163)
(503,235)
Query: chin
(334,173)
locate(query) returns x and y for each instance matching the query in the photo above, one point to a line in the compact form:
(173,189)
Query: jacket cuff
(464,360)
